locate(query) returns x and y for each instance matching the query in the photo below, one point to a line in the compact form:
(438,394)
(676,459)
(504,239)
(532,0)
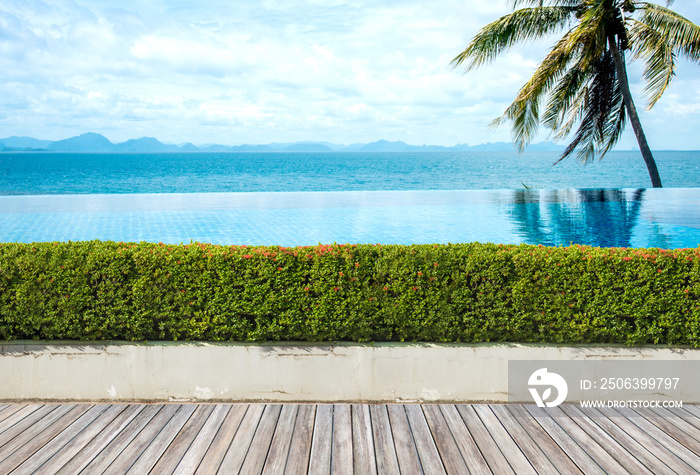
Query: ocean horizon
(42,173)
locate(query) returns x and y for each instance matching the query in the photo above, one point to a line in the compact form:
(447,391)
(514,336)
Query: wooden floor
(361,439)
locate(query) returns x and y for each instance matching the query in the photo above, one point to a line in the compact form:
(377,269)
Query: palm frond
(500,35)
(574,115)
(573,47)
(564,99)
(681,34)
(591,33)
(541,3)
(524,111)
(652,47)
(601,112)
(525,117)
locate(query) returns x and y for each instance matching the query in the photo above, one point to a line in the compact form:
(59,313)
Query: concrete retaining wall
(52,371)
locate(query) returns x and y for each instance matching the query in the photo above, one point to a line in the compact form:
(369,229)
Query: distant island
(92,142)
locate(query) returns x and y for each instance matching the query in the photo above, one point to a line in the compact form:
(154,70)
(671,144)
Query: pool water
(667,218)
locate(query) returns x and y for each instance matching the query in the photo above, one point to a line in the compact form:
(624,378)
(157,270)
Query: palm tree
(583,80)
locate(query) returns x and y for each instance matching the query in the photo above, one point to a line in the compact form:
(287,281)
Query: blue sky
(235,72)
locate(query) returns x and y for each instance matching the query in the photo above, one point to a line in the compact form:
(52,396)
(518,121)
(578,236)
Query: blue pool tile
(619,218)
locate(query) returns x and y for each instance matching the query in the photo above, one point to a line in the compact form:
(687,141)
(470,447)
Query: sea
(42,173)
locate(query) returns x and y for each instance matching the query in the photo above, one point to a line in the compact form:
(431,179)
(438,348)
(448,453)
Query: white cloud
(269,70)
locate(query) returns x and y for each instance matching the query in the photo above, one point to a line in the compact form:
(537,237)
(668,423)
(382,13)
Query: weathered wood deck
(343,438)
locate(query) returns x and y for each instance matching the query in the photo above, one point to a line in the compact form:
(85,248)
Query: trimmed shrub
(439,293)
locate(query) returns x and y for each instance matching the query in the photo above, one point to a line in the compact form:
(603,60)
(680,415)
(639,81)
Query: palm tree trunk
(632,113)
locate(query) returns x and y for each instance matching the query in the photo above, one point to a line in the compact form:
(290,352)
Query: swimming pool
(667,218)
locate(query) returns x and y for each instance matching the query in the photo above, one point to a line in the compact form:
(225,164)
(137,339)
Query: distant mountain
(546,147)
(24,142)
(509,147)
(386,146)
(351,147)
(92,142)
(214,148)
(251,148)
(304,146)
(188,147)
(145,144)
(307,147)
(3,148)
(493,147)
(89,142)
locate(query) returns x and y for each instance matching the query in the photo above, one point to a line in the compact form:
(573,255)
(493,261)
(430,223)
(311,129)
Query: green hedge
(440,293)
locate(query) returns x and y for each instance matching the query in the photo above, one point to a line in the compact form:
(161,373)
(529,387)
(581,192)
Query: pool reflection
(604,217)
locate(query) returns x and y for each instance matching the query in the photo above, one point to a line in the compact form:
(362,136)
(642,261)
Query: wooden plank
(138,445)
(9,408)
(406,452)
(564,440)
(692,409)
(384,450)
(49,449)
(597,451)
(444,441)
(300,445)
(96,444)
(559,458)
(363,457)
(233,460)
(320,459)
(672,463)
(158,445)
(78,443)
(71,439)
(259,447)
(25,444)
(192,458)
(116,441)
(465,442)
(663,438)
(17,416)
(510,450)
(686,421)
(682,431)
(281,440)
(182,441)
(425,445)
(24,420)
(341,451)
(531,450)
(487,446)
(596,423)
(684,416)
(13,409)
(219,446)
(654,435)
(23,447)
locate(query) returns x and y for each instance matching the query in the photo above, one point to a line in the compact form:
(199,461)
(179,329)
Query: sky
(242,71)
